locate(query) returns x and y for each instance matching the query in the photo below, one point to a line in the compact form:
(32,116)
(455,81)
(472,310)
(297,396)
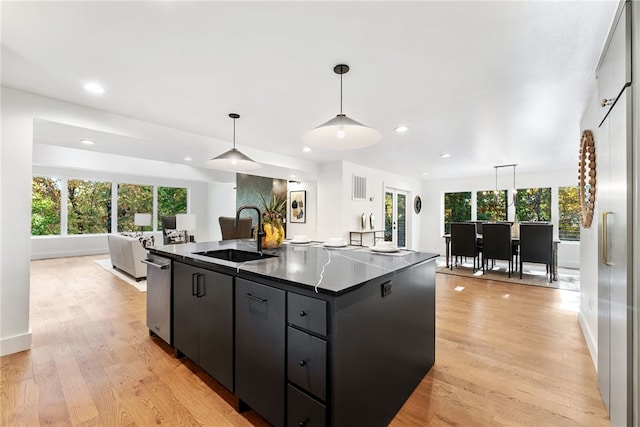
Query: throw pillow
(175,236)
(147,241)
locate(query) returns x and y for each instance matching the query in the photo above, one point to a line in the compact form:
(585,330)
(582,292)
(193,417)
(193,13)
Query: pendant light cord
(340,94)
(234,133)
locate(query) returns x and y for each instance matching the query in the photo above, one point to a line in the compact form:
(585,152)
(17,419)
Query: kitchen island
(313,336)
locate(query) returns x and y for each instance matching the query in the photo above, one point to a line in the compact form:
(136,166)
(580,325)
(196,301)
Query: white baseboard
(588,336)
(64,254)
(15,344)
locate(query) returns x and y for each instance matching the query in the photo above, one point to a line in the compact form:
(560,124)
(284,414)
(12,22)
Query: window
(45,206)
(88,207)
(533,204)
(569,207)
(491,206)
(457,207)
(133,199)
(171,201)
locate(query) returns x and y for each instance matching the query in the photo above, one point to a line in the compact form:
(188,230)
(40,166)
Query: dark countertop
(327,270)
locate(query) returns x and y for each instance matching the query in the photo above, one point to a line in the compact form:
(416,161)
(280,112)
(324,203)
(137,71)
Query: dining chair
(464,242)
(497,244)
(231,232)
(478,226)
(536,245)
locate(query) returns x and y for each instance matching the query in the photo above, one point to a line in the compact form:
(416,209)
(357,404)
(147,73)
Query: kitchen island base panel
(382,347)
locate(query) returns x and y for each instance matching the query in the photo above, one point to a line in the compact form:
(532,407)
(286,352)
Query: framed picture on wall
(298,206)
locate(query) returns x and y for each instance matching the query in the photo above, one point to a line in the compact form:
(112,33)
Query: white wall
(329,209)
(338,213)
(61,246)
(433,205)
(221,202)
(15,227)
(588,314)
(310,227)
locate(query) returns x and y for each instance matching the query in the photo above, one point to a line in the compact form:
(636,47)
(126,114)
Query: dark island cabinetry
(310,337)
(260,348)
(203,319)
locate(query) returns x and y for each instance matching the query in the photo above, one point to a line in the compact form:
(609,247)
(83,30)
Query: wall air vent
(359,188)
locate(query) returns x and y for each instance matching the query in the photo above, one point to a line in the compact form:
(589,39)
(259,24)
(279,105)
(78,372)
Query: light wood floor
(506,355)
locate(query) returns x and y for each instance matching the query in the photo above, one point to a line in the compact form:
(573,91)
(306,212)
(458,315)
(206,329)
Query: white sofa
(127,253)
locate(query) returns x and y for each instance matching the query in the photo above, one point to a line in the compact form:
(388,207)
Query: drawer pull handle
(253,297)
(303,313)
(303,423)
(303,362)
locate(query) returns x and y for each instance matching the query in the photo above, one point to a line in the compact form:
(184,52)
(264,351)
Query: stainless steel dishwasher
(159,297)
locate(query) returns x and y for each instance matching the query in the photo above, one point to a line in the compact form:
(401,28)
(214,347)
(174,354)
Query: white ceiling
(489,82)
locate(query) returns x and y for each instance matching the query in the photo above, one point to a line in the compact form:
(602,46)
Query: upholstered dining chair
(478,225)
(230,231)
(536,245)
(464,242)
(496,244)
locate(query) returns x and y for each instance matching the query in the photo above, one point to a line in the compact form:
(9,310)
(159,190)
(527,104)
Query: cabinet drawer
(307,313)
(307,362)
(304,410)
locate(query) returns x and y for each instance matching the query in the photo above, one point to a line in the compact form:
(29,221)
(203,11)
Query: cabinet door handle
(303,362)
(253,297)
(194,286)
(605,257)
(303,313)
(200,295)
(303,422)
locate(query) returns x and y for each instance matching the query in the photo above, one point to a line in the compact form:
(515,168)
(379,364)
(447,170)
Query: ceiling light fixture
(187,159)
(401,129)
(514,190)
(87,141)
(233,160)
(306,149)
(445,155)
(94,88)
(341,132)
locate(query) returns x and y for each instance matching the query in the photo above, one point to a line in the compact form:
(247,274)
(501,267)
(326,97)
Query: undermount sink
(235,255)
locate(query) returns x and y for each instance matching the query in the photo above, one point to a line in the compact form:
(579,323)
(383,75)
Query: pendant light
(514,191)
(341,132)
(233,160)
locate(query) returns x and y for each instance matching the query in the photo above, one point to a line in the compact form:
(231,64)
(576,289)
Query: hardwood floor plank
(506,355)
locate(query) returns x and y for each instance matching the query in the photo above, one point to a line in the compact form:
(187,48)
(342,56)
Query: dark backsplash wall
(249,186)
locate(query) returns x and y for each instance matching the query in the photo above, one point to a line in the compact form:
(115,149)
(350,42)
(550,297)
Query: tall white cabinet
(614,195)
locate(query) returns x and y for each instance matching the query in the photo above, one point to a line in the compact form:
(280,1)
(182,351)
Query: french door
(395,217)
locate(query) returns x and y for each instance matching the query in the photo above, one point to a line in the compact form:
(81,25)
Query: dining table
(515,240)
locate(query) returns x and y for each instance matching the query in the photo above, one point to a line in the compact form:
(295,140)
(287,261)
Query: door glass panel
(401,220)
(388,217)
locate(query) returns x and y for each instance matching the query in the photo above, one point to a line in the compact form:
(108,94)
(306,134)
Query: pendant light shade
(341,132)
(233,160)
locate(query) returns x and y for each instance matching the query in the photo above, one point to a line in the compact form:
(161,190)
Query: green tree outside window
(457,207)
(88,207)
(569,208)
(133,199)
(45,206)
(533,204)
(171,201)
(491,206)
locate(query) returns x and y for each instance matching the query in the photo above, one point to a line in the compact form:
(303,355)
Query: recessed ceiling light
(94,87)
(425,173)
(187,159)
(445,155)
(306,149)
(293,176)
(87,141)
(402,129)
